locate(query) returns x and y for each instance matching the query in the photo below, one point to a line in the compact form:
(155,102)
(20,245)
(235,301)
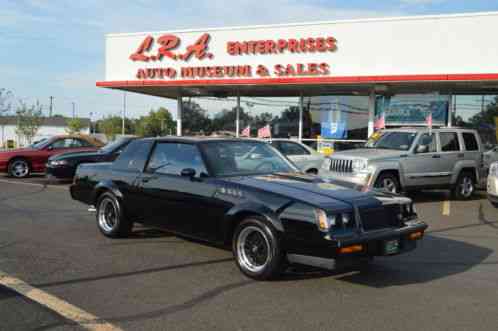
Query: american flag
(380,122)
(246,132)
(264,132)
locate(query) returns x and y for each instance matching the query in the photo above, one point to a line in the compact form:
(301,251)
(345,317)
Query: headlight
(493,170)
(339,221)
(59,163)
(360,165)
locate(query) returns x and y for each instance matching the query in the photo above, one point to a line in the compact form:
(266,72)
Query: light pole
(124,114)
(74,110)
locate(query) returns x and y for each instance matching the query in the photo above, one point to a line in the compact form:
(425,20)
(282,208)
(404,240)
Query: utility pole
(124,114)
(74,109)
(51,106)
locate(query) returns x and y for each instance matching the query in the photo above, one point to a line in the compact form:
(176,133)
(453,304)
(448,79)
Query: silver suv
(410,159)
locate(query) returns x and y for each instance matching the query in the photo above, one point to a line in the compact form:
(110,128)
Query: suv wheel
(111,220)
(257,249)
(465,186)
(388,182)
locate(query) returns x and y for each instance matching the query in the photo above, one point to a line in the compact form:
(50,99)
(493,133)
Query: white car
(304,157)
(493,184)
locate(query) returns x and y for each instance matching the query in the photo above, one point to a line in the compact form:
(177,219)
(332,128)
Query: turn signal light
(351,249)
(416,235)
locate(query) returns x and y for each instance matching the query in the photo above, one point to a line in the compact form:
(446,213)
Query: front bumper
(3,166)
(350,180)
(372,242)
(60,172)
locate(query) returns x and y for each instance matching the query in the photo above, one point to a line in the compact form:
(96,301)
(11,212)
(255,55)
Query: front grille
(339,165)
(386,216)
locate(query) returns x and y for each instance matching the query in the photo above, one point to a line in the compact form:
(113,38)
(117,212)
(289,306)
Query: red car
(22,162)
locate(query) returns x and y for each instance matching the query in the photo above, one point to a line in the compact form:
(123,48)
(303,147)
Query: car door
(424,166)
(184,204)
(451,153)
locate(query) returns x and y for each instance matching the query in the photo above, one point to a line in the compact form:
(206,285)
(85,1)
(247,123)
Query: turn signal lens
(321,220)
(351,249)
(416,235)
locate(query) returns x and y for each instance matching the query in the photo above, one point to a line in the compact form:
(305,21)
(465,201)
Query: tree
(195,119)
(225,120)
(156,123)
(112,125)
(487,116)
(5,104)
(29,120)
(74,125)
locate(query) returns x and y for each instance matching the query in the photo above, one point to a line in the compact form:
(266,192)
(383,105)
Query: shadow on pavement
(439,196)
(435,258)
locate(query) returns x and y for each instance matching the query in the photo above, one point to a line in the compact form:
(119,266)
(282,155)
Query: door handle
(148,179)
(461,155)
(436,156)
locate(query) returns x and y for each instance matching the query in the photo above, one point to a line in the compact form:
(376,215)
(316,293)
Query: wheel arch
(239,213)
(460,167)
(106,186)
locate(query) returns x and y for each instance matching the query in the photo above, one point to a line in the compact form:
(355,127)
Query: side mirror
(422,149)
(188,172)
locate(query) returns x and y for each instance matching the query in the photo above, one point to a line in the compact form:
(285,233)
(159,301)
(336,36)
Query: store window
(336,117)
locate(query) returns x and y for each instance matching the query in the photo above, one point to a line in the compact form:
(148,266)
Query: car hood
(307,189)
(76,155)
(368,154)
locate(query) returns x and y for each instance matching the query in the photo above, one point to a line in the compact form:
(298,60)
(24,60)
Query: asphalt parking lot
(156,281)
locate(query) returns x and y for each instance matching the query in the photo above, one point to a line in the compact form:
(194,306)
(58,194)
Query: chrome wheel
(107,215)
(466,187)
(19,168)
(253,249)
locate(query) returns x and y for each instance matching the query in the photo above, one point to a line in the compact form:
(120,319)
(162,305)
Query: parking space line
(446,208)
(61,307)
(32,184)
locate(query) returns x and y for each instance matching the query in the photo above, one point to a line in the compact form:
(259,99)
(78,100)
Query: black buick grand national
(243,193)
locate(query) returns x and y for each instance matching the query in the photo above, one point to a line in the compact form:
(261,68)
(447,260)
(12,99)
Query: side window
(470,141)
(426,144)
(62,143)
(134,156)
(288,148)
(81,143)
(172,158)
(449,142)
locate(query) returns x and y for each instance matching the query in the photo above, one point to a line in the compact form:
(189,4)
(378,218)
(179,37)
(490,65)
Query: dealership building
(340,75)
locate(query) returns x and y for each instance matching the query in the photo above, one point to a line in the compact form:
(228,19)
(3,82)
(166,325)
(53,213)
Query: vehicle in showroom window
(21,162)
(246,195)
(63,166)
(408,159)
(304,157)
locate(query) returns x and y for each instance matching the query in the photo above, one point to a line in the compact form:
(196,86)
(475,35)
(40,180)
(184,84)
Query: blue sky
(55,47)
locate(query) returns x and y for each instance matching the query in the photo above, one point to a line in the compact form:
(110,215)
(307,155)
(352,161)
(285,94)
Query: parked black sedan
(63,166)
(244,194)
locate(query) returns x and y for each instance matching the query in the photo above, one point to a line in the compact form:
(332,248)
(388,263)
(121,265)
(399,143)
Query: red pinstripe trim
(302,80)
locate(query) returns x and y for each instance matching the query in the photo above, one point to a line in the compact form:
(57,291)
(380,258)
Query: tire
(465,186)
(388,182)
(111,220)
(312,172)
(265,259)
(19,168)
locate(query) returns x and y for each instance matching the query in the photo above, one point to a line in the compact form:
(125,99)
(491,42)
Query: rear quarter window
(470,141)
(449,142)
(134,156)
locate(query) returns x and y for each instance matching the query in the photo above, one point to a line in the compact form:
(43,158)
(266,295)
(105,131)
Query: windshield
(111,146)
(242,158)
(401,141)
